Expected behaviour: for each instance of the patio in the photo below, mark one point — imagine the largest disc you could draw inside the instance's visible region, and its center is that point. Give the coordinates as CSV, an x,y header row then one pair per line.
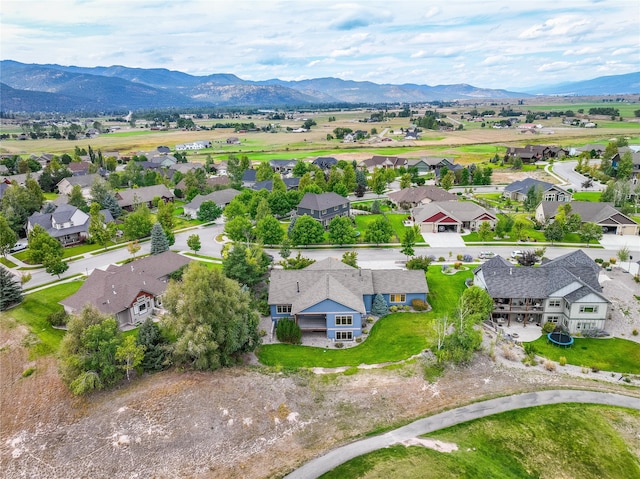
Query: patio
x,y
521,333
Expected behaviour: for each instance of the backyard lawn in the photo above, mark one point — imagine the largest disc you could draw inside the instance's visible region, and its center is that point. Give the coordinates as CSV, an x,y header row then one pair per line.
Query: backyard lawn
x,y
614,354
363,221
395,337
35,309
587,196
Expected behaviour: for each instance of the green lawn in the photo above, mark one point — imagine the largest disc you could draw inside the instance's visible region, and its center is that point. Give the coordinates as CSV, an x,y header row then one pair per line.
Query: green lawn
x,y
363,221
616,354
68,252
8,263
33,313
564,440
587,196
393,338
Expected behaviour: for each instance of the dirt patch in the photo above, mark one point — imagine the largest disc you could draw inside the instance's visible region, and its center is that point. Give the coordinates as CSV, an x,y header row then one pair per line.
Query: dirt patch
x,y
250,422
434,444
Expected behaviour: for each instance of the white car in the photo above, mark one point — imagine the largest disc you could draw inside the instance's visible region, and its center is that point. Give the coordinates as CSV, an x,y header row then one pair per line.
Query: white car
x,y
486,255
19,246
516,254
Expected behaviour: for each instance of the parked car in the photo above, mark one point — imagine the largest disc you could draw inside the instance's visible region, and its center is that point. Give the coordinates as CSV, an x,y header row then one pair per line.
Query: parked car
x,y
486,255
516,254
19,246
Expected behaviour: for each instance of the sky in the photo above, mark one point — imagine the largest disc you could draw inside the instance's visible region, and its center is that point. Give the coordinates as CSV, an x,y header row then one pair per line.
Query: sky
x,y
510,44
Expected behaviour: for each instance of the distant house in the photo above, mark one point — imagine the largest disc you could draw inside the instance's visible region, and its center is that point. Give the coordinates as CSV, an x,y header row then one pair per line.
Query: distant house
x,y
219,168
330,296
517,191
602,214
65,186
130,198
437,163
564,291
79,168
67,224
196,145
595,149
324,206
635,158
163,150
325,162
284,167
289,183
378,161
451,216
420,195
249,178
130,293
222,198
233,140
419,164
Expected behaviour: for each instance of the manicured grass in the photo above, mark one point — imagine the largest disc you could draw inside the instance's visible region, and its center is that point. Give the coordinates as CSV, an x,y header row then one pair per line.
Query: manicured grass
x,y
7,263
587,196
565,440
616,354
363,221
33,313
395,337
67,252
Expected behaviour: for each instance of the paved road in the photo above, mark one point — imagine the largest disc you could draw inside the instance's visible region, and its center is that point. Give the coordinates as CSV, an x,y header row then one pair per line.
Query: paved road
x,y
565,169
334,458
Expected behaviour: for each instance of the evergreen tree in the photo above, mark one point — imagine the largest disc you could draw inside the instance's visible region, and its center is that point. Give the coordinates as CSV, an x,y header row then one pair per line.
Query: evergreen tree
x,y
10,289
285,247
379,307
159,242
155,355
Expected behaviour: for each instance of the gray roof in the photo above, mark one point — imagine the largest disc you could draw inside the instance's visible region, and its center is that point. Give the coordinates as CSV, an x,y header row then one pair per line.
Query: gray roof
x,y
334,280
460,210
62,214
114,290
289,183
420,193
220,197
144,194
590,212
83,180
504,280
322,201
523,186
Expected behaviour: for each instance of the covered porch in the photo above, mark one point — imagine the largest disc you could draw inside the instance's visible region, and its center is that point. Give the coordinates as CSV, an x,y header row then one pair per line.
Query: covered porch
x,y
508,311
311,322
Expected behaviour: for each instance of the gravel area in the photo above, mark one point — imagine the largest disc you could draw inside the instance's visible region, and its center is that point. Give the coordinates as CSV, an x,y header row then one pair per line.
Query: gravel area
x,y
620,287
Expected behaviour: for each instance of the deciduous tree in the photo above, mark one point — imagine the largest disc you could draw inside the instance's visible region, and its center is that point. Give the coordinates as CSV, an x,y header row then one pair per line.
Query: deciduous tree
x,y
268,230
380,231
306,231
130,355
341,231
193,242
8,237
209,211
211,318
590,232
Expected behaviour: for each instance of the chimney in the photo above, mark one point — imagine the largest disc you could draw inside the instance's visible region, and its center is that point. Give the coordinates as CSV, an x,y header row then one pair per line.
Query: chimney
x,y
298,286
510,271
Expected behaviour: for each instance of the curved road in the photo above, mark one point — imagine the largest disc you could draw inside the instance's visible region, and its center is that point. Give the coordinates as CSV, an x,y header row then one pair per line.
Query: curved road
x,y
334,458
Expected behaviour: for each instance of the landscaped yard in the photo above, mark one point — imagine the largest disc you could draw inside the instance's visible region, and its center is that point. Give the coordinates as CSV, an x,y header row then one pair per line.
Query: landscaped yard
x,y
615,354
363,221
33,313
587,196
585,441
395,337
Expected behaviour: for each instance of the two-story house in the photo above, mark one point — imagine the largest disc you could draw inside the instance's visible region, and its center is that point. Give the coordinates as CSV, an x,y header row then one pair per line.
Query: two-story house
x,y
330,296
67,224
324,206
517,191
564,291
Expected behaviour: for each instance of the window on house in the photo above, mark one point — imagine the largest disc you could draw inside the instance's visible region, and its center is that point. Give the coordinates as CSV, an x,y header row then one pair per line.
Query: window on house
x,y
336,208
324,212
588,309
283,308
344,335
344,320
553,319
554,303
397,298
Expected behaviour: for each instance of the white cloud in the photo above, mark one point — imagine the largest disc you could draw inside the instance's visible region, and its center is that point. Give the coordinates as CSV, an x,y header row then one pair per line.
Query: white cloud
x,y
581,51
565,25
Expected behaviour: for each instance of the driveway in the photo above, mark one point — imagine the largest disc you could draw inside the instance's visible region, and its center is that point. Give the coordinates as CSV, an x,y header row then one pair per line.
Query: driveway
x,y
565,170
443,240
616,242
334,458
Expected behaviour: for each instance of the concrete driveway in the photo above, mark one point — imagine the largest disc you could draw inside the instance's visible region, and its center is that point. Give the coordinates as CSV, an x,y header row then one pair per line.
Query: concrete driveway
x,y
443,240
616,242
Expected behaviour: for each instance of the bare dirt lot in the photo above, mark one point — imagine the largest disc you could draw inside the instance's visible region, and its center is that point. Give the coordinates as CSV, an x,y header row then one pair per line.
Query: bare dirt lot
x,y
248,422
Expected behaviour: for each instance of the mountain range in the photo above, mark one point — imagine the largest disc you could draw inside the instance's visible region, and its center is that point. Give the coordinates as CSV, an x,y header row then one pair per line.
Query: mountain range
x,y
57,88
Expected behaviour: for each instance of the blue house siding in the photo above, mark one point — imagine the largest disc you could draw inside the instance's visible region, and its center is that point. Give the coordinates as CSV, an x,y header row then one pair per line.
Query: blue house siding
x,y
408,298
326,306
275,315
332,309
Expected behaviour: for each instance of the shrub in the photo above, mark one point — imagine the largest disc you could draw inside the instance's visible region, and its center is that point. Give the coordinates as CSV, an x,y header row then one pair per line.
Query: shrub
x,y
406,307
612,260
28,372
508,353
441,258
359,339
393,309
605,264
339,344
457,265
595,369
529,349
419,262
635,331
58,318
467,258
459,256
262,333
287,331
419,305
636,278
598,260
562,361
549,365
548,327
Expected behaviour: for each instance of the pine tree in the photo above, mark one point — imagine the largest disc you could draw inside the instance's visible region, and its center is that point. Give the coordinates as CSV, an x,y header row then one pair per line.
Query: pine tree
x,y
10,289
379,307
155,355
159,242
